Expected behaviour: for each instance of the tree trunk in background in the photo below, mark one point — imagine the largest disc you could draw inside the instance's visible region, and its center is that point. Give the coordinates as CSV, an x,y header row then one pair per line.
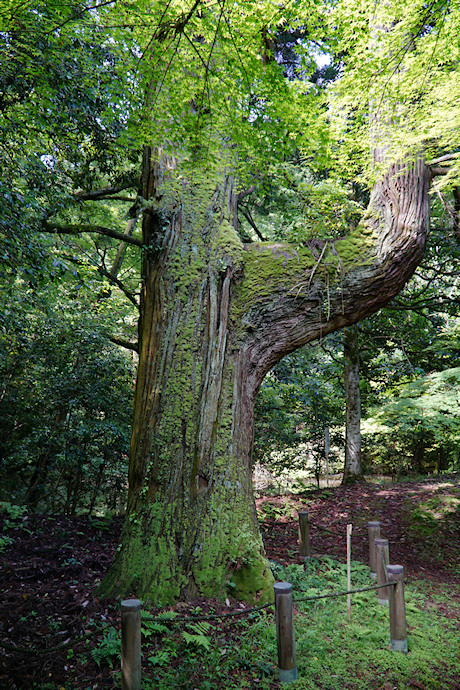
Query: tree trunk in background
x,y
216,315
352,468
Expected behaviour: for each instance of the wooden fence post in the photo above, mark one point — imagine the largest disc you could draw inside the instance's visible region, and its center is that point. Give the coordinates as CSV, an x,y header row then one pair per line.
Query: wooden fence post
x,y
398,634
287,667
382,559
373,529
131,644
304,536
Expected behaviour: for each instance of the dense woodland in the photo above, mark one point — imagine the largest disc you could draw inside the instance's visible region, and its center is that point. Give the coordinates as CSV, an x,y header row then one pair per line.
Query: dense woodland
x,y
237,224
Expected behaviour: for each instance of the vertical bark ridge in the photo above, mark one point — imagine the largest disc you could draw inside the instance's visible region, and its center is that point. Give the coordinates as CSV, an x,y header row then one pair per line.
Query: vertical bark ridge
x,y
215,370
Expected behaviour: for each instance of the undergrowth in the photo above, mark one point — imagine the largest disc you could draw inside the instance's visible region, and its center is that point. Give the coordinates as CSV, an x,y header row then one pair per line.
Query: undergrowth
x,y
333,652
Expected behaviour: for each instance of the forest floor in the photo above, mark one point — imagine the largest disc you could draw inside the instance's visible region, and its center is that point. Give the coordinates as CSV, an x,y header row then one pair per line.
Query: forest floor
x,y
55,633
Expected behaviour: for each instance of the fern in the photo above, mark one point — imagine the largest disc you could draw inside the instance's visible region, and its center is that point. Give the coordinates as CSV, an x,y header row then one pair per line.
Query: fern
x,y
108,648
198,635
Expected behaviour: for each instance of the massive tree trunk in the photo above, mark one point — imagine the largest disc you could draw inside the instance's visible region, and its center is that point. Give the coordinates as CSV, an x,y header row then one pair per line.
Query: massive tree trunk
x,y
352,467
216,316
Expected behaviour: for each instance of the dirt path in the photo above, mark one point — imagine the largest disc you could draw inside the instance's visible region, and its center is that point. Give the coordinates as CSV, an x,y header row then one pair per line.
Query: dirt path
x,y
420,520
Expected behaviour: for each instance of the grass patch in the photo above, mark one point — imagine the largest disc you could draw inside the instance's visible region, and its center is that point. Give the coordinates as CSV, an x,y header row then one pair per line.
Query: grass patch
x,y
332,652
430,514
433,508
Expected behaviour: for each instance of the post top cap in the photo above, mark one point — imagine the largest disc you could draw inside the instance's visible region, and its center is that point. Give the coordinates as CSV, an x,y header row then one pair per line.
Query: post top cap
x,y
303,512
373,523
380,540
131,605
395,569
283,587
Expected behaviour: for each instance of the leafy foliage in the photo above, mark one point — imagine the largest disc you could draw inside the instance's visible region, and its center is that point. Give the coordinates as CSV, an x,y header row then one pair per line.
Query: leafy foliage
x,y
408,69
65,407
58,124
419,425
14,513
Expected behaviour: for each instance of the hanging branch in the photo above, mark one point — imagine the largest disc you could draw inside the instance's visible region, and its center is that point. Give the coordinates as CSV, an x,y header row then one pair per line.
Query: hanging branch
x,y
247,214
106,274
115,281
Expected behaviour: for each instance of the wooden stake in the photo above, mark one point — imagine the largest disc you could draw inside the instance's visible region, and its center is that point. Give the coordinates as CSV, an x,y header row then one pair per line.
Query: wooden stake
x,y
398,634
349,530
287,667
304,536
131,644
382,559
373,529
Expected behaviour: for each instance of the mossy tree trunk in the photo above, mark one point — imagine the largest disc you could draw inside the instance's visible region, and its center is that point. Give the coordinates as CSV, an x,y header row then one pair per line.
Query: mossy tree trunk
x,y
216,316
352,470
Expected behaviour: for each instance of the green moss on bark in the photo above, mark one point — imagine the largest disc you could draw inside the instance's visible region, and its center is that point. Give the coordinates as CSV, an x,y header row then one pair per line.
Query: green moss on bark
x,y
192,527
226,548
357,248
253,582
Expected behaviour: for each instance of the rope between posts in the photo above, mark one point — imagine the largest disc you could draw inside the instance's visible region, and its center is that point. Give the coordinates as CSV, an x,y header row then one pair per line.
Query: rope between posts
x,y
337,534
325,529
216,616
349,591
255,609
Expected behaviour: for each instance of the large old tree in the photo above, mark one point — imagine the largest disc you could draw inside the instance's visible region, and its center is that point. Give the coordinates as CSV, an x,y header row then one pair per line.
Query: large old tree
x,y
232,90
217,313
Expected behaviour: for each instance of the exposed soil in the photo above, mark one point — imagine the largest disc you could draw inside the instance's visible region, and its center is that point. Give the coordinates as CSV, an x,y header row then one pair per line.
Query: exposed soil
x,y
50,618
433,555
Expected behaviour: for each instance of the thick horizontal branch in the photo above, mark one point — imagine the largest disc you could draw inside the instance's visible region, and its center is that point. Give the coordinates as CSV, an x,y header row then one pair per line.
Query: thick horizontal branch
x,y
288,297
103,192
436,171
128,345
55,228
443,159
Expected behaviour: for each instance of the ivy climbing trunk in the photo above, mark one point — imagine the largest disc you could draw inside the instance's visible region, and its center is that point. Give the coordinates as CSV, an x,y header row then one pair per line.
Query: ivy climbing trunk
x,y
352,468
216,316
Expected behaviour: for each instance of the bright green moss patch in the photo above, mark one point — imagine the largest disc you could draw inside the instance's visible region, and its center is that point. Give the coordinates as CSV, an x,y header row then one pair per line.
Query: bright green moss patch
x,y
270,269
357,248
167,550
333,653
254,582
227,248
